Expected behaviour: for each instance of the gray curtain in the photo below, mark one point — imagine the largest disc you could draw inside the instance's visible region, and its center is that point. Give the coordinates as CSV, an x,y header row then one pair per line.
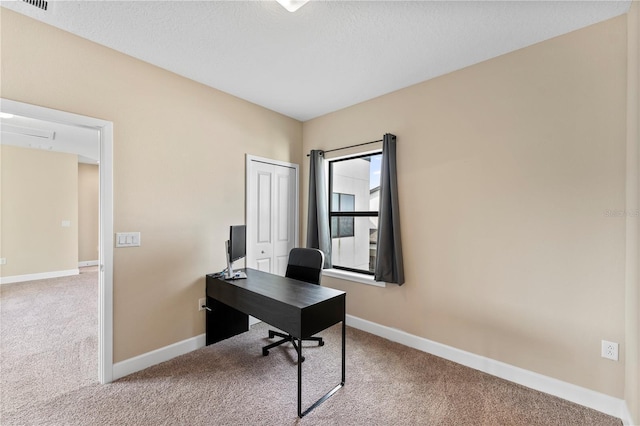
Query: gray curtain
x,y
318,234
389,265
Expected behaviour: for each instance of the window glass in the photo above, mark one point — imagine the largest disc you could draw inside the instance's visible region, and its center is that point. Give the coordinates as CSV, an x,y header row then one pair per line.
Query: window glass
x,y
357,252
354,187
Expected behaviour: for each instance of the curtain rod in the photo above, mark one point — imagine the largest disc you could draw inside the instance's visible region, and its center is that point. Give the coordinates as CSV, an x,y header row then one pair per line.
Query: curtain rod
x,y
351,146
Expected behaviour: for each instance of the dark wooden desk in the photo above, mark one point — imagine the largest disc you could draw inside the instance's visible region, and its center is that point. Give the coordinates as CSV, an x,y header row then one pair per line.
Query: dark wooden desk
x,y
298,308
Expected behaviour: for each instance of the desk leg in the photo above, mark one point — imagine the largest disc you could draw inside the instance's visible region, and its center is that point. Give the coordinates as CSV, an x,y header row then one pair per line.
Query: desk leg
x,y
300,378
343,351
332,391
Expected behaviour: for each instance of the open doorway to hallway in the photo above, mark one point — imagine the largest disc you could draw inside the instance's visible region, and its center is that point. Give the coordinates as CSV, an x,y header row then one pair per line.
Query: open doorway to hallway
x,y
50,255
73,299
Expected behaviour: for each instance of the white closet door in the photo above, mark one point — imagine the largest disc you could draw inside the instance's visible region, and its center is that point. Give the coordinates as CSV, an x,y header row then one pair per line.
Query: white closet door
x,y
271,214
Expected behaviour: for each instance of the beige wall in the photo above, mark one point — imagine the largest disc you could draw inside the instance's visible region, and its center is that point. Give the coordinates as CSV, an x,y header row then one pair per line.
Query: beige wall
x,y
179,154
632,295
88,212
506,171
39,192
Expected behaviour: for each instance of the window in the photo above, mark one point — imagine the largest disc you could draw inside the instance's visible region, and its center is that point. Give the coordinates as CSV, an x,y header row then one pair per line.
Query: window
x,y
354,185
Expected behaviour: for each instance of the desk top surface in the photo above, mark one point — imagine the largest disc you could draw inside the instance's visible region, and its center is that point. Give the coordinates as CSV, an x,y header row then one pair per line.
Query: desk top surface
x,y
283,289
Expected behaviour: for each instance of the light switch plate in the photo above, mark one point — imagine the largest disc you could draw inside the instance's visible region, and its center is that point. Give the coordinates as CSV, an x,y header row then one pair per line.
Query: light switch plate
x,y
128,239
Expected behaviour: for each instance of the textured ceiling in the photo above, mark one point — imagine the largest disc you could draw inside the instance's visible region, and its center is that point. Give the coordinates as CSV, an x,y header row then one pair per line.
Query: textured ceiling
x,y
326,56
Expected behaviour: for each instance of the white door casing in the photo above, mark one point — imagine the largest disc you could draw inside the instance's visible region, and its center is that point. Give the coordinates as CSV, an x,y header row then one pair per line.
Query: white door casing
x,y
272,213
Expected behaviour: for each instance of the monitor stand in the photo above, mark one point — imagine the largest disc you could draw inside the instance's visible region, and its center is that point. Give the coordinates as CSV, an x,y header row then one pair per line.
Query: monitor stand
x,y
230,274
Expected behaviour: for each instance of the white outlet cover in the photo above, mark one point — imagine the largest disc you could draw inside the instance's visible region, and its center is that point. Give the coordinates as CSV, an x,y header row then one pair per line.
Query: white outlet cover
x,y
609,350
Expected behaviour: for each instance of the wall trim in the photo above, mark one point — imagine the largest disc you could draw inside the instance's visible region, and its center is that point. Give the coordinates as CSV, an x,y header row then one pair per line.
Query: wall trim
x,y
140,362
598,401
88,263
627,419
149,359
352,276
38,276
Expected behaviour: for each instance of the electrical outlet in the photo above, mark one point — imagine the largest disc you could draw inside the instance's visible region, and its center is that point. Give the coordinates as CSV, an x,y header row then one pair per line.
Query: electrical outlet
x,y
609,350
201,302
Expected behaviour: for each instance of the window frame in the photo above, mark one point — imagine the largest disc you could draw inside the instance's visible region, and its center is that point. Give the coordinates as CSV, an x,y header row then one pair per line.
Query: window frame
x,y
353,214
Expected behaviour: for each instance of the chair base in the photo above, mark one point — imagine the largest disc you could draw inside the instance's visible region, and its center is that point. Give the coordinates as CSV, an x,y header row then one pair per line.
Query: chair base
x,y
288,338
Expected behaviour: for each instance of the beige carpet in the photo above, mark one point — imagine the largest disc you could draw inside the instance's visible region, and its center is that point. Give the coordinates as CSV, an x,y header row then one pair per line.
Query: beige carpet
x,y
230,383
48,339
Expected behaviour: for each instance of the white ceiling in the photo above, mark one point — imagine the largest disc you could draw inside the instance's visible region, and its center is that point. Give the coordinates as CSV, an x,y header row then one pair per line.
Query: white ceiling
x,y
326,56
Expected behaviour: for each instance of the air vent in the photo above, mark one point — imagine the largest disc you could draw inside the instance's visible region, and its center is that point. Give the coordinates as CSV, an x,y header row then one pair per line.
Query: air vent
x,y
27,131
40,4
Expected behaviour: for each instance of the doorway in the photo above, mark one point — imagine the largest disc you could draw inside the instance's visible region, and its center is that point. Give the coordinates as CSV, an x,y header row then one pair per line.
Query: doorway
x,y
104,132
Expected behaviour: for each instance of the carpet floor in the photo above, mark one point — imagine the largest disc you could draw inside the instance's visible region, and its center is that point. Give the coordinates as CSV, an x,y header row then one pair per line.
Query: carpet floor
x,y
48,372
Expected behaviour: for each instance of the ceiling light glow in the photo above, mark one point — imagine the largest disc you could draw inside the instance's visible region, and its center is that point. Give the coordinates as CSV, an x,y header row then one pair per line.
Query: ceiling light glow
x,y
292,5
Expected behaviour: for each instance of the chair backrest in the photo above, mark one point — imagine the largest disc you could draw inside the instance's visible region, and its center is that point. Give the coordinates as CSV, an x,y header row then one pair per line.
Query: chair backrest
x,y
305,264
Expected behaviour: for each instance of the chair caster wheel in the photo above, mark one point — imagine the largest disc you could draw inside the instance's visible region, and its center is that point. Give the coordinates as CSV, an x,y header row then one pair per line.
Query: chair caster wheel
x,y
302,359
321,343
271,334
265,353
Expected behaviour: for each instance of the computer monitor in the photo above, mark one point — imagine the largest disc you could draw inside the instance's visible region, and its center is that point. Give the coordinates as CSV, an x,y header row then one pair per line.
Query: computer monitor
x,y
236,249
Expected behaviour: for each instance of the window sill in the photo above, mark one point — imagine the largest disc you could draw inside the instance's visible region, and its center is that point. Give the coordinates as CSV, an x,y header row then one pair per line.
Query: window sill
x,y
352,276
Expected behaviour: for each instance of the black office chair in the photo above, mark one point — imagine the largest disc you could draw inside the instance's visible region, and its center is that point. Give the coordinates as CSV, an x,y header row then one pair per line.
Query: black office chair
x,y
305,264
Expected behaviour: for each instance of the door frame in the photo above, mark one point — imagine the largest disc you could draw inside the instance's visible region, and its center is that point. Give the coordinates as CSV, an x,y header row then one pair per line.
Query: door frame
x,y
248,183
105,274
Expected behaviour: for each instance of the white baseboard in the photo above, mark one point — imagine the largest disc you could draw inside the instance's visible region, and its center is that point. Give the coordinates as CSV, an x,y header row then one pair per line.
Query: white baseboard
x,y
87,263
140,362
598,401
627,419
39,276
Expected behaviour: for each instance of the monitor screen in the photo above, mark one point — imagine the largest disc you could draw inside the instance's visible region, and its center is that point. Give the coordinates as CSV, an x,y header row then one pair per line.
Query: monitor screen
x,y
237,242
